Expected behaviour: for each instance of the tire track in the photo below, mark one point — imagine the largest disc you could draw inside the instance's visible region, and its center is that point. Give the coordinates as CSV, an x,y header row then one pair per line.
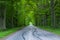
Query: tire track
x,y
23,35
35,35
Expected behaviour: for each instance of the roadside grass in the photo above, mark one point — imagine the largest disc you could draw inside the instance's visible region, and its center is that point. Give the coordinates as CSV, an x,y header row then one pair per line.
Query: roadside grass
x,y
8,32
52,30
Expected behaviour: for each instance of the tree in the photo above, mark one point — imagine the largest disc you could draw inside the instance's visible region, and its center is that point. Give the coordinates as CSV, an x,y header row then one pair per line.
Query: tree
x,y
53,18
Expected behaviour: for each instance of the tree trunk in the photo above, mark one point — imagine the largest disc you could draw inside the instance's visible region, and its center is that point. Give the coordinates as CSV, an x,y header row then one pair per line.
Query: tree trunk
x,y
52,13
4,20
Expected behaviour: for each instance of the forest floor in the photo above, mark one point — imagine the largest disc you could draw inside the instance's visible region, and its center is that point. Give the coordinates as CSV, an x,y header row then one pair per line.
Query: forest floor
x,y
33,33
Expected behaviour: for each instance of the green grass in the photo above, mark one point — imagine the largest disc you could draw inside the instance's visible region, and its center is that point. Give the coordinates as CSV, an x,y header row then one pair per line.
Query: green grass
x,y
55,31
8,32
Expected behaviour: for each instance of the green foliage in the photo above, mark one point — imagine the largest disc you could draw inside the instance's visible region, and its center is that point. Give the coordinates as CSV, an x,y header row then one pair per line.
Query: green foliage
x,y
21,12
8,32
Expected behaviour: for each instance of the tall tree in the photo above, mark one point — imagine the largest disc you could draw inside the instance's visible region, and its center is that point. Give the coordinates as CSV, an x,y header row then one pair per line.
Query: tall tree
x,y
53,24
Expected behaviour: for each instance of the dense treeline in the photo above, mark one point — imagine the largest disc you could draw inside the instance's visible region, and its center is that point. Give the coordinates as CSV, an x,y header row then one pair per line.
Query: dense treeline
x,y
49,14
16,13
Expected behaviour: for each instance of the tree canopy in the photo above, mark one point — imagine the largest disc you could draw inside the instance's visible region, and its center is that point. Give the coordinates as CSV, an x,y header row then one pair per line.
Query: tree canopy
x,y
39,12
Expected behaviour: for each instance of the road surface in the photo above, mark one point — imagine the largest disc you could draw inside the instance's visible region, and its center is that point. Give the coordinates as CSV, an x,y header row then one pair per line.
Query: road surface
x,y
33,33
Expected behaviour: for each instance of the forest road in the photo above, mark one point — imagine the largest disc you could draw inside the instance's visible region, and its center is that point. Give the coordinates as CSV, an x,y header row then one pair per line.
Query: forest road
x,y
33,33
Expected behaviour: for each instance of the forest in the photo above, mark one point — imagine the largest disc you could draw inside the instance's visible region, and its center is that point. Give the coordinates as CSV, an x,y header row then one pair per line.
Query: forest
x,y
18,13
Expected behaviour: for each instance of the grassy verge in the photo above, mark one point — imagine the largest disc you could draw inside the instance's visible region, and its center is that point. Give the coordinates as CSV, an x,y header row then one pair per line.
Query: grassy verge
x,y
8,32
55,31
